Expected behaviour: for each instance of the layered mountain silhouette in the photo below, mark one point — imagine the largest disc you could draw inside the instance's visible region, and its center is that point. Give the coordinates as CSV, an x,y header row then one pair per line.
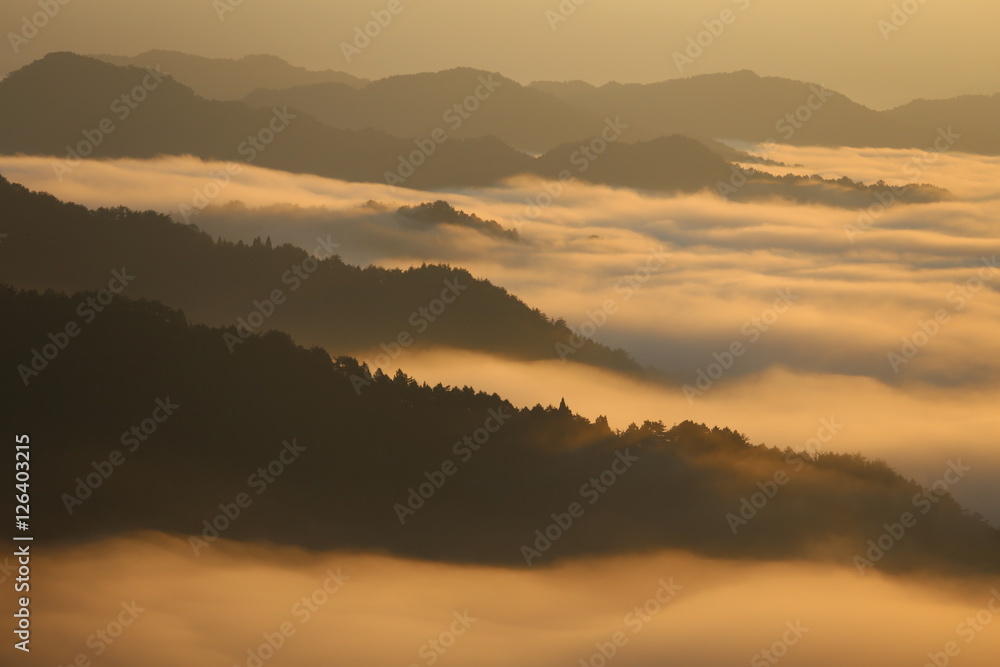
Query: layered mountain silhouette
x,y
232,79
973,118
541,116
743,105
277,442
545,114
73,107
49,105
344,308
464,102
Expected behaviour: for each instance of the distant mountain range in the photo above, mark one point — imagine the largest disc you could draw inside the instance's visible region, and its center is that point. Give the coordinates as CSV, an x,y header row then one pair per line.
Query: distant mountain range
x,y
542,115
228,80
54,102
742,105
465,102
69,106
975,117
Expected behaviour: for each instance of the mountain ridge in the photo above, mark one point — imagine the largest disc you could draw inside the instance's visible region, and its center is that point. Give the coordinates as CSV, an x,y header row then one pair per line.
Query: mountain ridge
x,y
229,79
61,246
72,107
514,499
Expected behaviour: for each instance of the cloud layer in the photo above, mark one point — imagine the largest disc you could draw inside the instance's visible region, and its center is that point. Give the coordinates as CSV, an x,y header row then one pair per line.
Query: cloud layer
x,y
221,607
884,322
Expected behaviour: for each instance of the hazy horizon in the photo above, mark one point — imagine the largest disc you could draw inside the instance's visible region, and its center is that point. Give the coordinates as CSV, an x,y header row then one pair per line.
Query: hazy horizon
x,y
934,53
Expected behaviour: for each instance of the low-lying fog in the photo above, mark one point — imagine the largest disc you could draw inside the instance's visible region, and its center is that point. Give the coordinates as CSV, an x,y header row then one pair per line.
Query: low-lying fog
x,y
883,319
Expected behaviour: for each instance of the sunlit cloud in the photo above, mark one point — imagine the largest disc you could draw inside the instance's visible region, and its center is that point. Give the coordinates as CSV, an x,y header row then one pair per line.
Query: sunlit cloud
x,y
862,337
232,604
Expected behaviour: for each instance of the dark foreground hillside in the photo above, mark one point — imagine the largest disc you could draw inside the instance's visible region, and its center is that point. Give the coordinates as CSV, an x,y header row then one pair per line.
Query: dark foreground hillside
x,y
139,420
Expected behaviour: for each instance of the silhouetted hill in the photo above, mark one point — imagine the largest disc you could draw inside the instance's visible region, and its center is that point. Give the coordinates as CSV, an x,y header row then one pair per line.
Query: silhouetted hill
x,y
463,102
742,105
442,213
690,166
54,245
232,79
571,91
686,163
323,466
974,117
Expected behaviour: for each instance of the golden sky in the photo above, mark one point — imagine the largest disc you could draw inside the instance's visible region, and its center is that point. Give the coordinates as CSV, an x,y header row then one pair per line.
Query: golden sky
x,y
941,49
